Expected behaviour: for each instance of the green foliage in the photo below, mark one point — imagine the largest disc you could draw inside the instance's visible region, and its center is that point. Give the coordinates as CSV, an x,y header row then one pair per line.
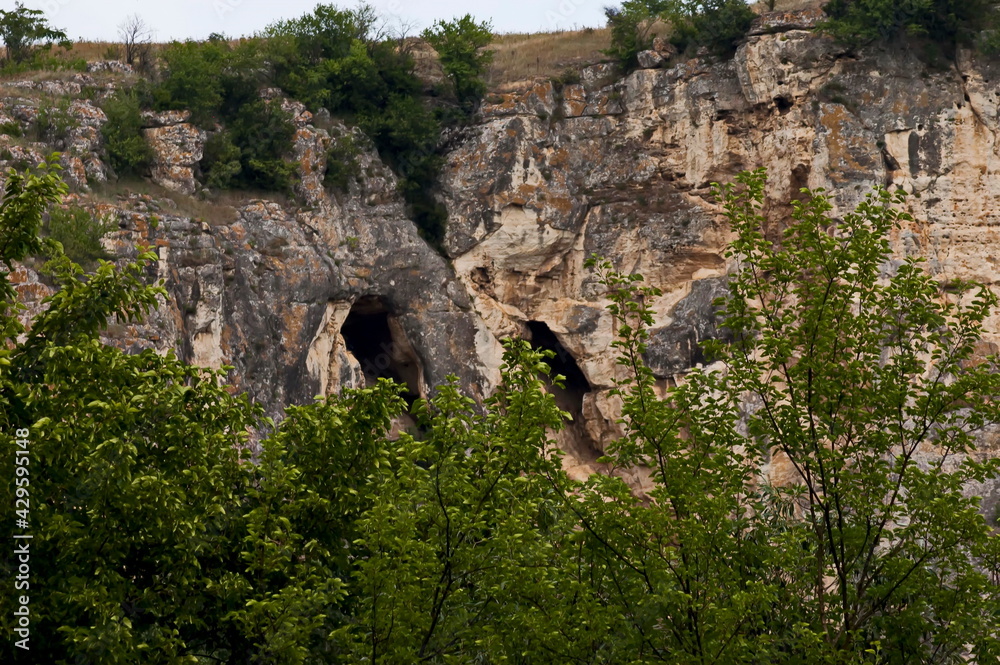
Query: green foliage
x,y
54,121
630,29
21,29
342,162
460,44
193,80
264,133
221,161
330,58
947,22
851,378
717,25
338,60
79,233
128,152
868,389
11,128
154,537
221,84
459,515
26,197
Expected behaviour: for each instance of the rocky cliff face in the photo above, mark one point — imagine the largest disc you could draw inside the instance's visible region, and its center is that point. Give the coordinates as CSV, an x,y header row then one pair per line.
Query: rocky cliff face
x,y
622,167
306,300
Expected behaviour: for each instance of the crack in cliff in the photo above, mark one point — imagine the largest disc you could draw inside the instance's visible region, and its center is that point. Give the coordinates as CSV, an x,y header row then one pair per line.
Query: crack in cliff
x,y
976,112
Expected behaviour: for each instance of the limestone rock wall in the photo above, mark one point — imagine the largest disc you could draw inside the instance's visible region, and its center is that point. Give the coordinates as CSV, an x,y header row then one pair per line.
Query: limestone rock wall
x,y
619,166
622,167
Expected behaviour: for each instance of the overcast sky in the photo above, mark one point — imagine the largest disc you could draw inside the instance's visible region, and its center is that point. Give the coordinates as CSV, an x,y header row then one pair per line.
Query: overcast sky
x,y
182,19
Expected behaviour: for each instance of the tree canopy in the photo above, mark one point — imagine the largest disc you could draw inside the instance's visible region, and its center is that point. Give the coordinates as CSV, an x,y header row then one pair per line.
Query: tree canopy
x,y
809,498
950,22
22,28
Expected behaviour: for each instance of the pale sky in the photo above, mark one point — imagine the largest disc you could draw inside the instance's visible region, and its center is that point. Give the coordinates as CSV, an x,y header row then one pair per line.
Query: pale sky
x,y
196,19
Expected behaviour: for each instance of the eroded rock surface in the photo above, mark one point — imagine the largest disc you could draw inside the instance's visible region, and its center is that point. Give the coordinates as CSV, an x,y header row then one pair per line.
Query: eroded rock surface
x,y
542,185
616,166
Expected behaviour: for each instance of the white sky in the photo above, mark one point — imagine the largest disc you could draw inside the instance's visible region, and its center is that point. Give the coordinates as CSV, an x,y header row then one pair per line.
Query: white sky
x,y
196,19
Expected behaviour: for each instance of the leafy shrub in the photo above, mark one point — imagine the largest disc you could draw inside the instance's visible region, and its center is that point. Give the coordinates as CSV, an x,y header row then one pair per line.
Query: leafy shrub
x,y
193,80
337,59
569,76
718,25
54,121
128,152
221,84
11,128
22,29
221,162
341,163
263,132
630,30
79,232
460,44
948,22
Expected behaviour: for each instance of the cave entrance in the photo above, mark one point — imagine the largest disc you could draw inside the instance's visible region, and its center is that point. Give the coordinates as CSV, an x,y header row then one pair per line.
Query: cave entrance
x,y
575,439
377,341
570,397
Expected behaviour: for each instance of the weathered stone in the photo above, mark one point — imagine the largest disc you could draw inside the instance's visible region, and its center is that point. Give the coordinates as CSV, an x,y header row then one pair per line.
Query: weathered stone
x,y
664,48
774,22
620,166
164,118
649,59
177,149
115,66
675,348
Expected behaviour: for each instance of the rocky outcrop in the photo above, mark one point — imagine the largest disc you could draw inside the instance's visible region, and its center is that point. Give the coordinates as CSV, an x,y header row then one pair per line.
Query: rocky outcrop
x,y
177,148
536,191
308,300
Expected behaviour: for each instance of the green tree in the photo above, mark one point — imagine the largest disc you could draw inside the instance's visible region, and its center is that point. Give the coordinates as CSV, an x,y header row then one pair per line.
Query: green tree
x,y
128,151
155,539
865,388
631,26
948,22
460,514
461,45
264,134
342,60
717,25
22,29
193,79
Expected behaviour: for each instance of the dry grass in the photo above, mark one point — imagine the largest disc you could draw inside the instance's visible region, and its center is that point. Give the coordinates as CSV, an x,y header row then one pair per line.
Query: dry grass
x,y
521,57
213,212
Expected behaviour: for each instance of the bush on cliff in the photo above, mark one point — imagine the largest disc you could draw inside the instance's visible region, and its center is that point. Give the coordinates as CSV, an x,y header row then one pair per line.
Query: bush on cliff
x,y
944,22
156,539
128,152
717,25
338,59
461,45
343,60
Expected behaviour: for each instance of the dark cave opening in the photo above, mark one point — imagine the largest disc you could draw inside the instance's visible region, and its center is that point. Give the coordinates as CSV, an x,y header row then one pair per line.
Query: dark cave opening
x,y
575,439
378,343
576,384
